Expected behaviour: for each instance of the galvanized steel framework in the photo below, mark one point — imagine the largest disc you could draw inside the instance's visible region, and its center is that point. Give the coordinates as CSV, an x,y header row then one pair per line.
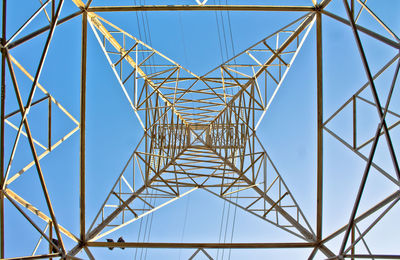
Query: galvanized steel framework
x,y
199,131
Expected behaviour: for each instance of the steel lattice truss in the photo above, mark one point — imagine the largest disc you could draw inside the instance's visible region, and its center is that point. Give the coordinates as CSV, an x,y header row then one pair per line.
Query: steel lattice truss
x,y
199,132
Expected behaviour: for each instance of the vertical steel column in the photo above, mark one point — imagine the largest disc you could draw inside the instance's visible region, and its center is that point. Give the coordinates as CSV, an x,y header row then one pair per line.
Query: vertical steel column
x,y
83,128
319,127
3,99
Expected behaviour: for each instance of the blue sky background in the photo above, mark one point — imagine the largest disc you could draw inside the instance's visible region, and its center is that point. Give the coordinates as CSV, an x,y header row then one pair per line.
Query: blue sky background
x,y
288,131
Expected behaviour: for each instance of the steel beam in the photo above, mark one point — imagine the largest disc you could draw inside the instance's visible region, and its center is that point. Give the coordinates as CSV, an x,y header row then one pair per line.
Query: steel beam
x,y
3,107
319,127
37,212
373,256
263,8
364,30
31,221
199,245
83,129
41,30
367,213
35,257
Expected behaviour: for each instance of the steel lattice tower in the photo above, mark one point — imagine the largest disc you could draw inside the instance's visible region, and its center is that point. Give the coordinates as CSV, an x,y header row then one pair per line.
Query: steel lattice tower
x,y
199,132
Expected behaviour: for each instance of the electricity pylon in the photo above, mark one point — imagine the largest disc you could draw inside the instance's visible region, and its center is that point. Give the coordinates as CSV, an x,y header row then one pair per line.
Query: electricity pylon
x,y
199,132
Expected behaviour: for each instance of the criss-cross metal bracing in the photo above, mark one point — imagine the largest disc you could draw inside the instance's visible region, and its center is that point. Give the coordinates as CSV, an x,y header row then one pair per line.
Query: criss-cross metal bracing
x,y
199,132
